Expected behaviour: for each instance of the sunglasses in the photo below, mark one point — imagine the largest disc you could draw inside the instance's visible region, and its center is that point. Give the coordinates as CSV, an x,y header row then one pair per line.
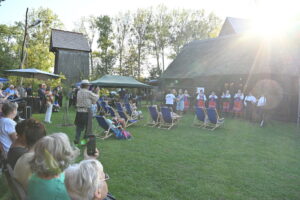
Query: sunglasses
x,y
105,178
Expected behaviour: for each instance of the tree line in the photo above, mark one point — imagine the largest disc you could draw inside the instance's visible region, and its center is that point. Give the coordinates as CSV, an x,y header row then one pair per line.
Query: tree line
x,y
132,43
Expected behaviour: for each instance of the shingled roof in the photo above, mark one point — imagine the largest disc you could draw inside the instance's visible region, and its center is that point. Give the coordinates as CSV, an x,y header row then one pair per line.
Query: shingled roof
x,y
235,26
235,55
68,40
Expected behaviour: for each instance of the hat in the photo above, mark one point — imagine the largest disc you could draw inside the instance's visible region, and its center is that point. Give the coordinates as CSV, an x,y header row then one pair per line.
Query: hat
x,y
85,82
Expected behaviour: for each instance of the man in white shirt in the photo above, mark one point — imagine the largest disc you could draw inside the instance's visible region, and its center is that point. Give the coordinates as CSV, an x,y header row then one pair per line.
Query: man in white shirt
x,y
170,100
262,102
7,126
249,103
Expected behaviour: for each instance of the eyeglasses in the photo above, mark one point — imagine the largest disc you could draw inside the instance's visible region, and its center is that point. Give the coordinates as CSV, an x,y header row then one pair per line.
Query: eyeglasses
x,y
105,178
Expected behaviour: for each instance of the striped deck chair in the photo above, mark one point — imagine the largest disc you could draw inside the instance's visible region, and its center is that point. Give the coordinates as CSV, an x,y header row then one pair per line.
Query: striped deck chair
x,y
200,117
167,120
154,116
119,106
214,121
103,124
128,109
128,121
111,111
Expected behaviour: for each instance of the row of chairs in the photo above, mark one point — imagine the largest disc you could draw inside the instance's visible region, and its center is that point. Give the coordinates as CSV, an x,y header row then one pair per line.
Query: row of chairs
x,y
204,118
163,119
111,112
126,115
207,118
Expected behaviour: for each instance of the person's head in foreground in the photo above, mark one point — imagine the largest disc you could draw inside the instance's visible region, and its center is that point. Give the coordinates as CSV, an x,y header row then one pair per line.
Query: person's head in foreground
x,y
213,93
52,155
9,109
29,131
86,181
186,92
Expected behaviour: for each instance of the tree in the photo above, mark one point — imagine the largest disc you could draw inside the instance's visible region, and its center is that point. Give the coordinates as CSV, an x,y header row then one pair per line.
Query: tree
x,y
38,55
9,37
122,28
161,33
141,33
188,25
105,43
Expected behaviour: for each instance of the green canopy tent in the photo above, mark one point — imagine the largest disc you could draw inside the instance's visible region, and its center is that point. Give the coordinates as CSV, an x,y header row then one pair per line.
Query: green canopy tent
x,y
113,81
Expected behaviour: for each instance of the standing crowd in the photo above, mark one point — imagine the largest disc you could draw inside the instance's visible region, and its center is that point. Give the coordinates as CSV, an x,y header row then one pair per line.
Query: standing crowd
x,y
236,104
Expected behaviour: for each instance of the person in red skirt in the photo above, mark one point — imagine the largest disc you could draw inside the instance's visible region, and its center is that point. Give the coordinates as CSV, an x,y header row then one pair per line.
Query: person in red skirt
x,y
238,103
201,99
186,100
226,102
212,100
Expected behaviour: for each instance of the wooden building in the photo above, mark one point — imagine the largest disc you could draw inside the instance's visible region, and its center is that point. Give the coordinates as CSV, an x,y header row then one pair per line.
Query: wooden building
x,y
72,53
248,61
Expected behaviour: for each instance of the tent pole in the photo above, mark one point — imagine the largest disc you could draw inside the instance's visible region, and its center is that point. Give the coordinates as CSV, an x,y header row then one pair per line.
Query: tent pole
x,y
298,117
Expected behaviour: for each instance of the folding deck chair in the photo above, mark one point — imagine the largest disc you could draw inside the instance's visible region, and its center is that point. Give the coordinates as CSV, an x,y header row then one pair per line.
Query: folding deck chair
x,y
128,109
111,111
154,116
128,121
103,124
119,106
104,105
200,117
167,121
214,121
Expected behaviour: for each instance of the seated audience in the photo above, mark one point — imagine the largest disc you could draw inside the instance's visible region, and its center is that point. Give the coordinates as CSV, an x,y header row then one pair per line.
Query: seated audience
x,y
29,131
86,181
41,169
135,112
11,92
115,122
7,125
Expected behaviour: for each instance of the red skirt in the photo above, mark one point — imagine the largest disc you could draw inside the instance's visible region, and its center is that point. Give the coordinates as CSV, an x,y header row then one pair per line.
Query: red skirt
x,y
186,104
226,106
201,104
212,104
237,106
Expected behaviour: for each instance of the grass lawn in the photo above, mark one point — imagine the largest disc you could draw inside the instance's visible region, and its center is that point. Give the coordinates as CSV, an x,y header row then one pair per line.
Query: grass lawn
x,y
238,161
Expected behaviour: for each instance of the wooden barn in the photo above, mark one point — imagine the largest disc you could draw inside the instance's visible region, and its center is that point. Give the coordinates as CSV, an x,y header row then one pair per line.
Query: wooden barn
x,y
72,53
248,62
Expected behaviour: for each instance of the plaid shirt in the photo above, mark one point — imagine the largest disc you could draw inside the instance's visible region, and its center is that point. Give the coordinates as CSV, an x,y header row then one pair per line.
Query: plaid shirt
x,y
85,99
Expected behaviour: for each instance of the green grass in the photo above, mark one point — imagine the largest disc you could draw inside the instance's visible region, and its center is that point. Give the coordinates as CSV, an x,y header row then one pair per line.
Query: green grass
x,y
238,161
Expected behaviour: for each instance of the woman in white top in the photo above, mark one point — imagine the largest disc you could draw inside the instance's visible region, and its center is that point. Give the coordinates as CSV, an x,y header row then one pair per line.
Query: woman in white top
x,y
201,98
262,102
226,101
249,103
212,100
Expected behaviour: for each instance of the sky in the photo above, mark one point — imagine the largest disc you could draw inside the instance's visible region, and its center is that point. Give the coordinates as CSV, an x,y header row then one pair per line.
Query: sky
x,y
69,11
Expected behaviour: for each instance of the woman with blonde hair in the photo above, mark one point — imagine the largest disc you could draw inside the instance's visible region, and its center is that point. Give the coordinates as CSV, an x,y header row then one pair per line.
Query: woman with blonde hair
x,y
52,155
86,181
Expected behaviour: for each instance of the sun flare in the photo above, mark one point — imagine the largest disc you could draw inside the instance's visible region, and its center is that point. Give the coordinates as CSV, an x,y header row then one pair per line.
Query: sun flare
x,y
275,18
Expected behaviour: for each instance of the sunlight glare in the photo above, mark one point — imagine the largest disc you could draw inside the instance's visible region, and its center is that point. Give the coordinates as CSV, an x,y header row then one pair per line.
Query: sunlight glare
x,y
274,18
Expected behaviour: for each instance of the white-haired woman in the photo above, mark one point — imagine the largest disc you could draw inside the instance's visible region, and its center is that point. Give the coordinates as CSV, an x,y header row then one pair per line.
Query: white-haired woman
x,y
86,181
52,155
